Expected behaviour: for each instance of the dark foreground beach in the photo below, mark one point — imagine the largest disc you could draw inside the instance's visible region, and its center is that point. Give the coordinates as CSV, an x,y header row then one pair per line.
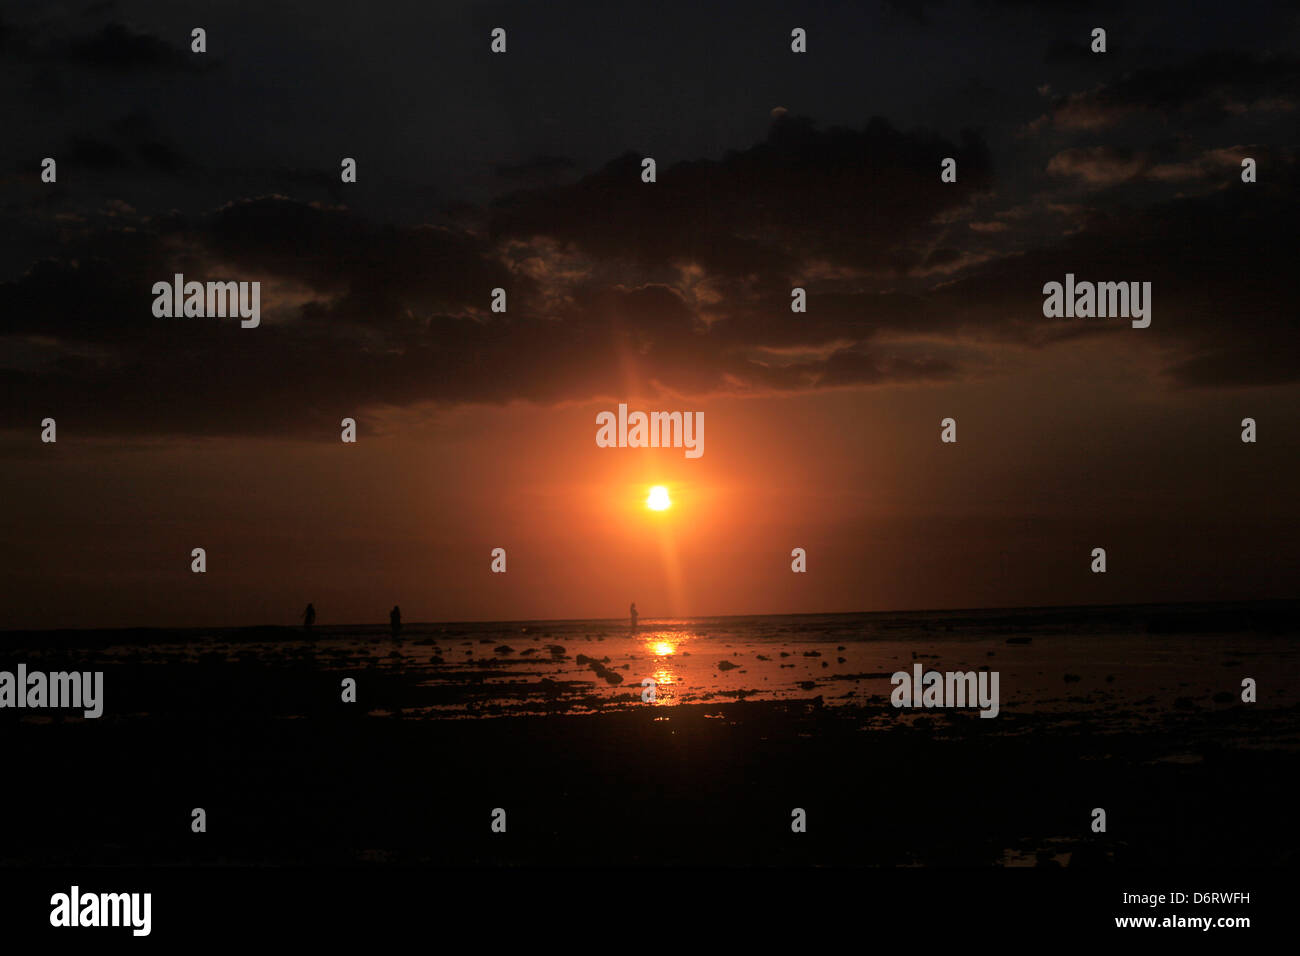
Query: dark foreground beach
x,y
1134,710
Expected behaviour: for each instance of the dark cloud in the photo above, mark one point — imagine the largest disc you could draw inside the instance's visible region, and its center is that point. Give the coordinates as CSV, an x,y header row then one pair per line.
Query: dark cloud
x,y
915,10
113,48
1179,163
859,196
129,144
1073,49
680,286
538,171
357,313
1208,88
94,154
162,157
1222,304
116,48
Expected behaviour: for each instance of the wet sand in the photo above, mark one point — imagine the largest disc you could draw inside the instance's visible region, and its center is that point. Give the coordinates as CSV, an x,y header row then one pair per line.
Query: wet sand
x,y
448,726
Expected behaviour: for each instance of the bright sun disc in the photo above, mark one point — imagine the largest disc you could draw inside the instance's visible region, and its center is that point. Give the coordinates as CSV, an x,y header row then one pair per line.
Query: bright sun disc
x,y
658,499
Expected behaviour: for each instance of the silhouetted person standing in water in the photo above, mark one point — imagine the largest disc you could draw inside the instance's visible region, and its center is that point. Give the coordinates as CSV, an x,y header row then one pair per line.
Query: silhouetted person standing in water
x,y
308,618
632,614
395,619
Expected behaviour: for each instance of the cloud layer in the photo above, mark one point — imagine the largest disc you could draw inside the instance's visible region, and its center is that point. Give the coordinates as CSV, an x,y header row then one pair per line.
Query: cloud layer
x,y
619,288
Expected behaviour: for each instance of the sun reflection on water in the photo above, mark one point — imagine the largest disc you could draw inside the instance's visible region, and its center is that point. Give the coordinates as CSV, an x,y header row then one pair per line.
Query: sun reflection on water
x,y
662,646
662,643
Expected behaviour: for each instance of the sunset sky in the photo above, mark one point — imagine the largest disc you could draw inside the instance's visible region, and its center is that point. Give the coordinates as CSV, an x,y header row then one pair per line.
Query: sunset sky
x,y
522,171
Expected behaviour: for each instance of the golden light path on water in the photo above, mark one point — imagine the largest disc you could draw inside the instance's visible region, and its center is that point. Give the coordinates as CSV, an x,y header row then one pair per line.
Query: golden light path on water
x,y
662,645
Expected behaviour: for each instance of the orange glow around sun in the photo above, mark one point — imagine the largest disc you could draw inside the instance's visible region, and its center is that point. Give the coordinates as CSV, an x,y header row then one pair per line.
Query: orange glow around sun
x,y
658,499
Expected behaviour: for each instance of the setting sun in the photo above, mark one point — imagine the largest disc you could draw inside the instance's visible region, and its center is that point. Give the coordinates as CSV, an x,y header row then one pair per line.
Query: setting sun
x,y
658,500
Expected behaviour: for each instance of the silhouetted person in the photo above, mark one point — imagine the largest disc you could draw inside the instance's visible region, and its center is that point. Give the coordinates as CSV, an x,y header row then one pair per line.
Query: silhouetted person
x,y
308,618
395,619
632,614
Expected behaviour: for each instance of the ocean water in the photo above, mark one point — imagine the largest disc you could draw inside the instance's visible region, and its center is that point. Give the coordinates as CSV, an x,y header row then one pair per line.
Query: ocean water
x,y
1134,709
1088,663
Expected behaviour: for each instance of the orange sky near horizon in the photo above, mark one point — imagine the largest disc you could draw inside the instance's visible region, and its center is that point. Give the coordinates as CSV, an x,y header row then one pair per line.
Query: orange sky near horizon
x,y
890,517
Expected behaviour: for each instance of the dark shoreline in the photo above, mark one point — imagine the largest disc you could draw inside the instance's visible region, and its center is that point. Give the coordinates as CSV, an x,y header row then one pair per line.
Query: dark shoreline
x,y
712,784
1268,615
1139,715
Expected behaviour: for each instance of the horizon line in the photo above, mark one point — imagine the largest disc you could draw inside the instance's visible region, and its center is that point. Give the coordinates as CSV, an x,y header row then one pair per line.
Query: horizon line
x,y
644,620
